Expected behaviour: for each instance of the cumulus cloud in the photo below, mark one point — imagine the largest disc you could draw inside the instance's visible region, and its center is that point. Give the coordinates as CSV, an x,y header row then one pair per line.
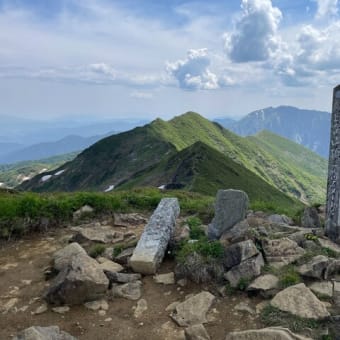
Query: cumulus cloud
x,y
326,8
255,35
192,73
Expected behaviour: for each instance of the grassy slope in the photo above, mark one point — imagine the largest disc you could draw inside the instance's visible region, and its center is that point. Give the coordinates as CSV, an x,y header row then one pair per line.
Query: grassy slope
x,y
115,159
13,174
287,175
203,169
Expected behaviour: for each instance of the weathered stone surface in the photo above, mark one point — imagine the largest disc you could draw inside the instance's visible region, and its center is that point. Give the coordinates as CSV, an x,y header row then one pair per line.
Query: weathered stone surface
x,y
271,333
166,279
85,210
124,257
169,331
193,310
279,219
247,269
110,266
129,220
116,277
236,234
43,333
299,300
196,332
142,306
236,253
310,218
324,288
99,234
154,241
61,310
265,284
332,269
63,257
81,281
130,290
244,307
230,208
329,244
315,267
280,252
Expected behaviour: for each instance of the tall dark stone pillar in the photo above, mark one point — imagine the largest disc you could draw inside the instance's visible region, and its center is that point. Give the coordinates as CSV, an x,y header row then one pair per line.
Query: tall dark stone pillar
x,y
333,185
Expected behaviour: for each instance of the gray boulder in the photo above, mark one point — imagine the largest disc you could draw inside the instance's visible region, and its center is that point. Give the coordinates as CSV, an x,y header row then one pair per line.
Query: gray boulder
x,y
122,277
279,252
193,310
310,218
280,219
196,332
43,333
154,241
230,208
266,285
81,281
62,258
271,333
83,211
315,268
236,253
98,234
237,233
124,257
299,300
248,270
130,290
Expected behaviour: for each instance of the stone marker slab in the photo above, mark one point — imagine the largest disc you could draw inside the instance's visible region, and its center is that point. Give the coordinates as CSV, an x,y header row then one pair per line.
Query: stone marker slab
x,y
230,208
153,243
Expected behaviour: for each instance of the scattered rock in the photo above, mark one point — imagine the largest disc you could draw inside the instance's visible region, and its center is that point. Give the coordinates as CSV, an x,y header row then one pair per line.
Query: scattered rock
x,y
236,234
100,234
325,243
244,307
85,210
230,208
110,266
9,305
41,309
63,257
193,310
124,256
280,219
172,306
130,291
61,310
247,270
122,277
169,331
239,252
266,285
182,282
324,288
97,305
129,220
299,300
310,218
142,306
82,281
315,267
280,252
154,241
332,269
196,332
43,333
271,333
166,279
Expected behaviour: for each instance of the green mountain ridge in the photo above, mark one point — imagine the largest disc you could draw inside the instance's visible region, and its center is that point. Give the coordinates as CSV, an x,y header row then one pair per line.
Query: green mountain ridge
x,y
115,160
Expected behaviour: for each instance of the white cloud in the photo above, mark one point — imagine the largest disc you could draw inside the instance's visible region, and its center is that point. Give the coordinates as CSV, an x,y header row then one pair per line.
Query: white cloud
x,y
326,8
255,35
192,73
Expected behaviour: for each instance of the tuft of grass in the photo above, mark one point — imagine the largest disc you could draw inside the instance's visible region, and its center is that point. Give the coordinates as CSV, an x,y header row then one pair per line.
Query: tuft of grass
x,y
196,230
243,284
288,276
96,250
272,316
117,250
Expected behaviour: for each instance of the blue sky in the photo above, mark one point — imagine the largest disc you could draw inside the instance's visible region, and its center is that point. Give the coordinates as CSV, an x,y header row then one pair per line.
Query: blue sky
x,y
144,58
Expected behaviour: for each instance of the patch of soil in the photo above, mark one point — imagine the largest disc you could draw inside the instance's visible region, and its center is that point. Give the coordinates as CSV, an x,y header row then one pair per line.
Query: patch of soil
x,y
21,275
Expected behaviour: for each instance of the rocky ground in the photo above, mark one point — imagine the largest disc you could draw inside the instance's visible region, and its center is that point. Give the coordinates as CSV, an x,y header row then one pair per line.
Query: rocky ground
x,y
282,268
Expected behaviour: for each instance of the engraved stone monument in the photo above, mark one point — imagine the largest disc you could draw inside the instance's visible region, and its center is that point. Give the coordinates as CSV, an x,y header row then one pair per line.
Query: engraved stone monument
x,y
333,185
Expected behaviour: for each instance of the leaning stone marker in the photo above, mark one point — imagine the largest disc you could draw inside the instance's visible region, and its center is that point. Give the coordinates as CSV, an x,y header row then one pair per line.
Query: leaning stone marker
x,y
230,208
333,186
152,245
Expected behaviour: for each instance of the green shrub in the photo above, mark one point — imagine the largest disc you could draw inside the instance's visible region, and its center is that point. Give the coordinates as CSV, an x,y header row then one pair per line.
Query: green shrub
x,y
117,250
196,230
96,250
289,277
243,284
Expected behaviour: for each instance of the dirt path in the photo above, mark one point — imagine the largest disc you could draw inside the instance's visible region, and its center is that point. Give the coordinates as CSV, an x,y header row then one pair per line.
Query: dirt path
x,y
22,283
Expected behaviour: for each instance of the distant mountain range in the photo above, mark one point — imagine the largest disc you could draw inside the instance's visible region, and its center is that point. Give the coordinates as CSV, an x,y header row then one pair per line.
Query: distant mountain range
x,y
193,153
309,128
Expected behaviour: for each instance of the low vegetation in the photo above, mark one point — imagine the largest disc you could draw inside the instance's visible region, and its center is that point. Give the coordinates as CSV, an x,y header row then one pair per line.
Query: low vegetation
x,y
288,276
96,250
